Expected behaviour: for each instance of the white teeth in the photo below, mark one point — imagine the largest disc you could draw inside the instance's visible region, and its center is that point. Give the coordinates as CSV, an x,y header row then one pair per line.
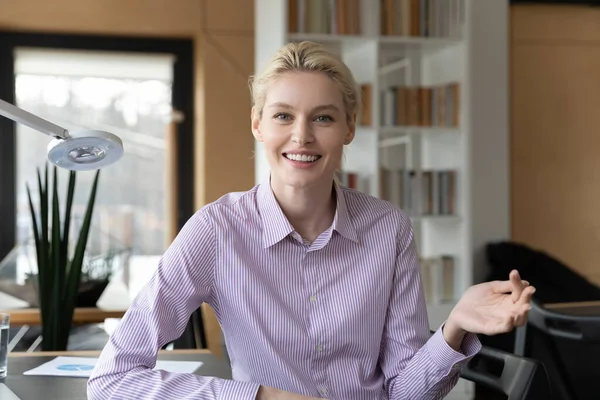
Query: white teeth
x,y
302,157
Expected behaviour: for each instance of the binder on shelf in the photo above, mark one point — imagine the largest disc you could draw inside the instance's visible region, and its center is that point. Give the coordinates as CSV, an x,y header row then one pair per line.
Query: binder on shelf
x,y
420,192
365,117
428,106
329,17
422,18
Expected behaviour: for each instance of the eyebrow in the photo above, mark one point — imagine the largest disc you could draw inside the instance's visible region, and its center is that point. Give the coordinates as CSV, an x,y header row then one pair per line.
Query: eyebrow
x,y
323,107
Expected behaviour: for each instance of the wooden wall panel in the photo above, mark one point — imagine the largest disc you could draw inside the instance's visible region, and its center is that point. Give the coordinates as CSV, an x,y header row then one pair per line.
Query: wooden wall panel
x,y
241,21
228,115
555,133
555,23
120,17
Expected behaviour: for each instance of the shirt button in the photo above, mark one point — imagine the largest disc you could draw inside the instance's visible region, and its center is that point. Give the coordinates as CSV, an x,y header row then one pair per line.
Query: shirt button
x,y
319,347
324,391
313,299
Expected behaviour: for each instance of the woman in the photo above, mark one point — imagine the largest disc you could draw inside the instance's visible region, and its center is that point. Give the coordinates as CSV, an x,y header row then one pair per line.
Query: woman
x,y
316,286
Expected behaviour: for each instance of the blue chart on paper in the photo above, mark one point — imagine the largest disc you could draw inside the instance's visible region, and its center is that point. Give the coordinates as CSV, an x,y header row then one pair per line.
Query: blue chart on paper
x,y
75,367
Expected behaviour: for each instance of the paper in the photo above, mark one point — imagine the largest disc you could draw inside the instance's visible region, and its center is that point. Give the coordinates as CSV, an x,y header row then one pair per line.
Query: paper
x,y
82,367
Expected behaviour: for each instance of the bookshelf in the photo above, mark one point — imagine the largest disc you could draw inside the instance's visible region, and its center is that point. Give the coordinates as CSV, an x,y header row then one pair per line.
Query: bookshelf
x,y
432,136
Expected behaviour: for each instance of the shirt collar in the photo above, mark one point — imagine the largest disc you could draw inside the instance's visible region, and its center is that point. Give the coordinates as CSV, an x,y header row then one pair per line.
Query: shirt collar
x,y
342,222
276,226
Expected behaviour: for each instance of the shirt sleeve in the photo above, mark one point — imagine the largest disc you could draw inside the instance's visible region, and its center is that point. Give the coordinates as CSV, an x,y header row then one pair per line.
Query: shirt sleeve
x,y
157,316
416,365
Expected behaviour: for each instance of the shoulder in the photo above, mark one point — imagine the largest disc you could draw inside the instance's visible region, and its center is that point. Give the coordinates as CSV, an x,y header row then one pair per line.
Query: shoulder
x,y
233,205
370,207
366,210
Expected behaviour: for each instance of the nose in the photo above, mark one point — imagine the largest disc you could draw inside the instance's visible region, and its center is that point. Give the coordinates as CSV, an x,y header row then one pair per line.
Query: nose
x,y
302,132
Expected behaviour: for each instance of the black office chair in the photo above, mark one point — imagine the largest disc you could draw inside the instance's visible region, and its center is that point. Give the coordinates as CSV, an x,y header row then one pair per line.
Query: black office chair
x,y
549,326
515,377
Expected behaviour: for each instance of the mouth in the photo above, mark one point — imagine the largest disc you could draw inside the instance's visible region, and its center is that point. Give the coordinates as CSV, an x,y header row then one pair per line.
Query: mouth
x,y
303,158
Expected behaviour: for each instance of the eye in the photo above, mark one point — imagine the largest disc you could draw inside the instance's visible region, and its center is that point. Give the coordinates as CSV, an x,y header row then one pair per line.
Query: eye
x,y
324,118
282,116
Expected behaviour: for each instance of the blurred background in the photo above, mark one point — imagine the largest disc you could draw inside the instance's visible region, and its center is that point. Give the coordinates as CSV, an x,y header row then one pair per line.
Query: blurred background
x,y
478,120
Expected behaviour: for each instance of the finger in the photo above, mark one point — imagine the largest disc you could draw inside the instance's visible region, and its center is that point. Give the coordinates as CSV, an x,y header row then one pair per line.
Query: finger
x,y
521,317
501,287
517,285
527,295
520,320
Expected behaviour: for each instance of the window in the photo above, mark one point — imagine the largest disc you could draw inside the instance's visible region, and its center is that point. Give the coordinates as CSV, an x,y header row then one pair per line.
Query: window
x,y
126,94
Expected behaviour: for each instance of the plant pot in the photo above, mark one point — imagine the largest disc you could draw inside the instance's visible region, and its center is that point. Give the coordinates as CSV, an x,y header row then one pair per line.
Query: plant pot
x,y
90,292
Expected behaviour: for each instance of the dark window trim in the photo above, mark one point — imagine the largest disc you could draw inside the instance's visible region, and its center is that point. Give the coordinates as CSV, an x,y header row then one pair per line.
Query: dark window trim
x,y
183,100
592,3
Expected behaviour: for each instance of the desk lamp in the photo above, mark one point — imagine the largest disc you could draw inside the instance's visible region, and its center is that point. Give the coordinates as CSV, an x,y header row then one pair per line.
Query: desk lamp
x,y
78,151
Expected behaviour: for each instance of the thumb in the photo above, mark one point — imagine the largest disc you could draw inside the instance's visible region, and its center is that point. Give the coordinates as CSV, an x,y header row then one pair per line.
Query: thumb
x,y
501,286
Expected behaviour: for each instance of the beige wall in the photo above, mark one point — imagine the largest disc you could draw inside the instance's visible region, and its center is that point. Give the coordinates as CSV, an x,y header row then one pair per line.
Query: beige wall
x,y
223,33
555,132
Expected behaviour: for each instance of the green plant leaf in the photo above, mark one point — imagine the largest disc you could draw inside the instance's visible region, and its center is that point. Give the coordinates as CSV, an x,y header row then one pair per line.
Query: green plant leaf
x,y
43,255
67,222
74,275
58,269
34,223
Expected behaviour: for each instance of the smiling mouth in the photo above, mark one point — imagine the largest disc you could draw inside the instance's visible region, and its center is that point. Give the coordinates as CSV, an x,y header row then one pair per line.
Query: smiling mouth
x,y
301,157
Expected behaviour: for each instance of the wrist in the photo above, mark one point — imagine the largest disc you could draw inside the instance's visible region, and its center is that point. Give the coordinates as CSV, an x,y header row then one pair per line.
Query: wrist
x,y
453,333
262,394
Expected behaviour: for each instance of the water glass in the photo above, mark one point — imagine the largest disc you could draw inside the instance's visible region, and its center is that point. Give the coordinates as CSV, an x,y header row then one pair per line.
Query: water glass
x,y
4,325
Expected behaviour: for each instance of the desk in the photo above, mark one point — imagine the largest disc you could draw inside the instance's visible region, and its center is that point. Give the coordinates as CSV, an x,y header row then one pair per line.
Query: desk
x,y
81,316
53,387
576,308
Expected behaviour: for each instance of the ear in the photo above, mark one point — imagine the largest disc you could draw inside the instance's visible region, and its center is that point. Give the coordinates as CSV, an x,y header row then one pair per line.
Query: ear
x,y
255,123
351,130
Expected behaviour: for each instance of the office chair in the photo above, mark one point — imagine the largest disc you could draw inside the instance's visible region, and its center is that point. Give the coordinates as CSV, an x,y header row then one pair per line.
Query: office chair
x,y
516,377
552,324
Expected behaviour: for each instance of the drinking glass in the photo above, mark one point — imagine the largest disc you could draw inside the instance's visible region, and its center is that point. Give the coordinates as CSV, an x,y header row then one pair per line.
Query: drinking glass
x,y
4,325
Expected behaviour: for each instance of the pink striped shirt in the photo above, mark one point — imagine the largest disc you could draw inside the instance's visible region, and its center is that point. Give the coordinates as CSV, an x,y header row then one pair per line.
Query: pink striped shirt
x,y
342,318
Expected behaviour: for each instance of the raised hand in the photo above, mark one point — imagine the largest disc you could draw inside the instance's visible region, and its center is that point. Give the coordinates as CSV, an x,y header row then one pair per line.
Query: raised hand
x,y
492,308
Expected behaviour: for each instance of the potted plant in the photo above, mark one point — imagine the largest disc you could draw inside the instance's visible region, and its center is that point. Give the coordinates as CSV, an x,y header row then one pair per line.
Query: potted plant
x,y
59,273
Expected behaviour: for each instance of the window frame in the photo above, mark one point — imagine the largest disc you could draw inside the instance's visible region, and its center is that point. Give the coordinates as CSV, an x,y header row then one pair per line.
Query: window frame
x,y
182,101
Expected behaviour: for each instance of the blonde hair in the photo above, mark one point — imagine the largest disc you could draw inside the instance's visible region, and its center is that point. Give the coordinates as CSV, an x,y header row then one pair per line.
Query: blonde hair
x,y
306,57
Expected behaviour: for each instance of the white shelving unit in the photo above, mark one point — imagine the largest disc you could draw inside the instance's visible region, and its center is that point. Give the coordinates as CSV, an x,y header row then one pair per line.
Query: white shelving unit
x,y
473,52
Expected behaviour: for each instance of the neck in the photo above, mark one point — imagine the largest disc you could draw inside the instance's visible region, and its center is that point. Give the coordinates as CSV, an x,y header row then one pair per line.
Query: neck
x,y
310,210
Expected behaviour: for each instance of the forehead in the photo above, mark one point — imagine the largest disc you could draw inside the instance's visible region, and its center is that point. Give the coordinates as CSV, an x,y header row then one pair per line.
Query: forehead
x,y
304,89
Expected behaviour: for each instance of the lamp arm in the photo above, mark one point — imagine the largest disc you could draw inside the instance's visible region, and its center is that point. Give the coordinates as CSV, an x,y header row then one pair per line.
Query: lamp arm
x,y
33,121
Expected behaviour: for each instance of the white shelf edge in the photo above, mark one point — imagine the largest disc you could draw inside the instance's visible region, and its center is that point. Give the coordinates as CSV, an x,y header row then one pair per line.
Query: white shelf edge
x,y
450,218
401,130
387,40
437,41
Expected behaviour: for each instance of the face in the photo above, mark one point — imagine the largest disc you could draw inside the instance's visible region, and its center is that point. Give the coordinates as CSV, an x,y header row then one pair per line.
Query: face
x,y
304,128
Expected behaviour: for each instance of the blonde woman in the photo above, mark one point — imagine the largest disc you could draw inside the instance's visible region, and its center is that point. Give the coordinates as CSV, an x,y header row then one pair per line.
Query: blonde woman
x,y
316,286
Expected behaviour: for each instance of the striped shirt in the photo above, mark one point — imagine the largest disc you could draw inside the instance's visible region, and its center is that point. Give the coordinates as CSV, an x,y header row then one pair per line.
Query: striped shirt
x,y
343,317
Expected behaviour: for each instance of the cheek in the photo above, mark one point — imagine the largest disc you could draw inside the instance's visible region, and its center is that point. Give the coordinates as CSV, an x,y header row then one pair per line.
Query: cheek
x,y
274,136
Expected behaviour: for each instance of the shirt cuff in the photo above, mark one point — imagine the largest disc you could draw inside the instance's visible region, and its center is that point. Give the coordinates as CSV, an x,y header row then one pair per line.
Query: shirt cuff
x,y
448,359
236,390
